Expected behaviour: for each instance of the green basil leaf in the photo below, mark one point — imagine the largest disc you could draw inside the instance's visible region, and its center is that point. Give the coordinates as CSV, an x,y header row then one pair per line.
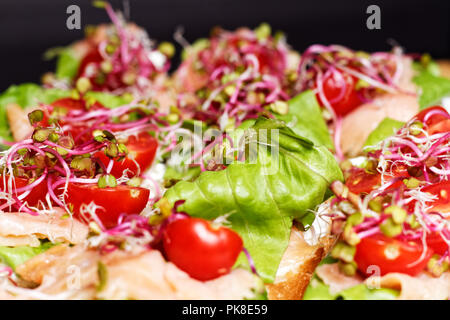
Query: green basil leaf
x,y
305,119
261,202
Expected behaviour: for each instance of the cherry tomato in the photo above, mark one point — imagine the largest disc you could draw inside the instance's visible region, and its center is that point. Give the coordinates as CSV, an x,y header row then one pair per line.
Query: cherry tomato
x,y
141,149
332,89
36,194
442,191
434,118
390,255
361,181
436,243
440,127
114,201
78,130
202,250
92,59
90,68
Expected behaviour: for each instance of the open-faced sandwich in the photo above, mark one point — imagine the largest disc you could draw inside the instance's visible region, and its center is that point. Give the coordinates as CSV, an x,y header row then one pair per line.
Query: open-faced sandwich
x,y
392,217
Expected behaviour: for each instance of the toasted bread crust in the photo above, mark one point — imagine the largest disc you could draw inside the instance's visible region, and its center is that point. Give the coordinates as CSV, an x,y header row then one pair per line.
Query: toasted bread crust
x,y
297,266
444,68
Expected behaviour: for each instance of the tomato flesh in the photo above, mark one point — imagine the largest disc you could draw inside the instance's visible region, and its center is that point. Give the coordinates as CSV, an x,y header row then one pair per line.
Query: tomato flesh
x,y
361,181
434,119
333,84
114,201
203,251
390,255
36,194
442,191
141,149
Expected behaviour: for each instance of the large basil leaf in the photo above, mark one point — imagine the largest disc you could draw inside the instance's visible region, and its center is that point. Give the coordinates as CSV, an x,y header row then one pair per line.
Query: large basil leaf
x,y
261,202
305,119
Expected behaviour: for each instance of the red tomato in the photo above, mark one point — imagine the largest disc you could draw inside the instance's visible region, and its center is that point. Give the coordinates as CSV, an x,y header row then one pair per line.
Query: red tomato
x,y
332,89
36,194
442,126
442,191
93,57
390,255
90,68
78,130
203,251
436,243
114,201
141,148
434,118
362,182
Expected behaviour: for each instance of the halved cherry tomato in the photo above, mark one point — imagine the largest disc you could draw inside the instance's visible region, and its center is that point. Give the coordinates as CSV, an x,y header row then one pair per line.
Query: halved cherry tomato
x,y
36,194
78,130
332,89
390,255
92,58
76,104
90,68
442,191
202,250
434,118
114,201
141,149
361,181
440,127
436,243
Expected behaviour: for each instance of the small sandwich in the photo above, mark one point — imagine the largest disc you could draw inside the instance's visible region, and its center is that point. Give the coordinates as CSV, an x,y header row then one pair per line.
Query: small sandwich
x,y
392,217
118,58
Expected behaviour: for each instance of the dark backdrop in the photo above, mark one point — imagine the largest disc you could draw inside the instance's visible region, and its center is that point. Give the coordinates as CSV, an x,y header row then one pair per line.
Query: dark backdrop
x,y
29,27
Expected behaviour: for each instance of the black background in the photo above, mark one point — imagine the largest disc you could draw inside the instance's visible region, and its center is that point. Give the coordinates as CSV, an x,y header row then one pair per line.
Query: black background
x,y
29,27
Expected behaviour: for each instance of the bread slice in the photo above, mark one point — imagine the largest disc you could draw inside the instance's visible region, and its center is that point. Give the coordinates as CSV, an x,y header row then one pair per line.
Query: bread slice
x,y
444,68
297,266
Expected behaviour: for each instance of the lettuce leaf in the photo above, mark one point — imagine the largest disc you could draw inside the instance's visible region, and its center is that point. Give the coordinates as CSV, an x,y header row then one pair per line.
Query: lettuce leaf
x,y
385,129
318,290
432,89
15,256
109,100
260,202
67,64
25,95
305,119
30,94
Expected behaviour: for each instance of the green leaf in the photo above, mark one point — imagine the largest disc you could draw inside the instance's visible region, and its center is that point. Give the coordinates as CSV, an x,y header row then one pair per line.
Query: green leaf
x,y
262,202
362,292
109,100
385,129
15,256
430,67
175,174
305,119
318,290
432,89
67,65
25,95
